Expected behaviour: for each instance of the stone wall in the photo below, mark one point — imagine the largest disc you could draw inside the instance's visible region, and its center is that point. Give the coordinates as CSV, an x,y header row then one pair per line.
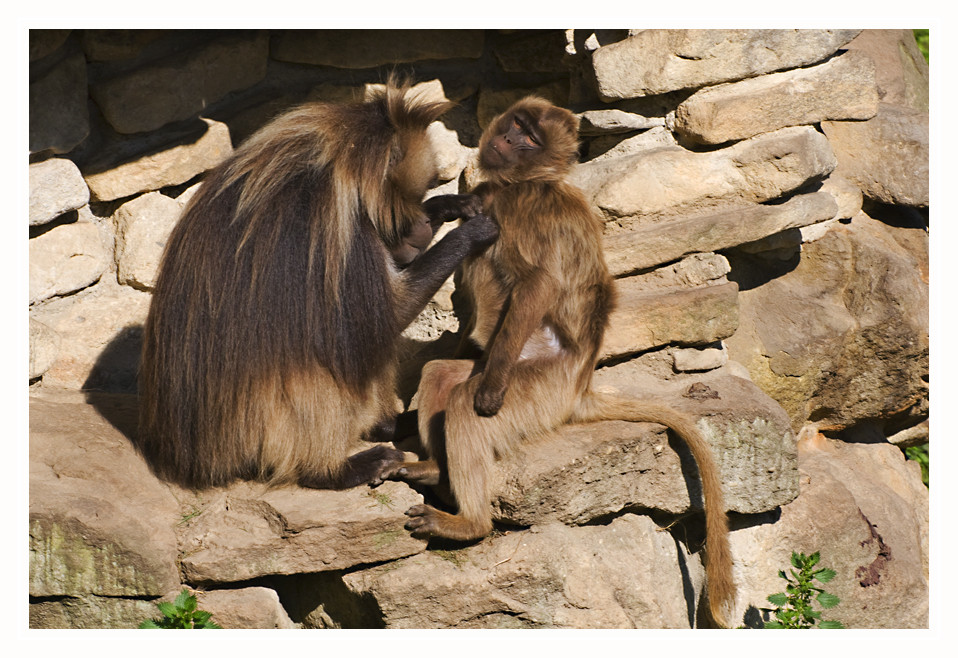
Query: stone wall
x,y
766,199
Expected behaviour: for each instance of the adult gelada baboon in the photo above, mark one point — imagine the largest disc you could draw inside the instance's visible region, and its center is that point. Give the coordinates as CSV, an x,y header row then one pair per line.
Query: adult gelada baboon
x,y
541,298
270,346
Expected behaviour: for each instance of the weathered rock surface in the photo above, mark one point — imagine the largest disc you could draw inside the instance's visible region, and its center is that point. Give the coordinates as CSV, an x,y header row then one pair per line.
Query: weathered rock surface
x,y
699,359
690,301
174,164
669,239
59,119
842,88
644,320
113,45
542,50
46,42
612,146
100,336
44,348
585,472
366,48
887,157
67,258
100,523
143,226
671,181
152,96
247,531
900,69
56,187
249,607
602,122
866,510
548,577
90,612
841,335
658,61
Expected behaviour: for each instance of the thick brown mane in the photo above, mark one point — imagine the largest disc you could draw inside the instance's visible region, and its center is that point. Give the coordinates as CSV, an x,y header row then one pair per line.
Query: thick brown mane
x,y
270,346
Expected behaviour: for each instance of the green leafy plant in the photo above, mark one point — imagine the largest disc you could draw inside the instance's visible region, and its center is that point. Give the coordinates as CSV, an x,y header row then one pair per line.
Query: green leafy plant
x,y
182,613
794,605
920,455
921,38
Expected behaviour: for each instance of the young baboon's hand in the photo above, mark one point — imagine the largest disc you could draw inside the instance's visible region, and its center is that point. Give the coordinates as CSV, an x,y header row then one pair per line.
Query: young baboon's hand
x,y
470,205
488,400
446,207
482,231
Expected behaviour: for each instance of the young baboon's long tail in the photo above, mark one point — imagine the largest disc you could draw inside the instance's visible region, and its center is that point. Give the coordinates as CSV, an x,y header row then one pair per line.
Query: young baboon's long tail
x,y
718,568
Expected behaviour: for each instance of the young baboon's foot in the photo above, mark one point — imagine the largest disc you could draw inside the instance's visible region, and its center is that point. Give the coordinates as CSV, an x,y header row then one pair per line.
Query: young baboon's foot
x,y
423,472
427,521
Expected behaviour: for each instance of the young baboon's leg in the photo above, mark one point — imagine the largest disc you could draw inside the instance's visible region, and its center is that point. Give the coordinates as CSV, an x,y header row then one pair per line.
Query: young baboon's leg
x,y
360,468
540,398
468,449
435,386
437,379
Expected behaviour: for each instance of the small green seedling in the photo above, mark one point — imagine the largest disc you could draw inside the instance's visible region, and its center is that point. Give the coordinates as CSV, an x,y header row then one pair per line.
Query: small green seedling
x,y
182,613
794,605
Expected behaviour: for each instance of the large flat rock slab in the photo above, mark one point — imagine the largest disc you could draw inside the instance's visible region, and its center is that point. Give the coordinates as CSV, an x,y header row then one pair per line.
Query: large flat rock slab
x,y
650,244
247,531
865,509
100,523
621,575
887,156
657,61
644,320
672,181
585,472
842,88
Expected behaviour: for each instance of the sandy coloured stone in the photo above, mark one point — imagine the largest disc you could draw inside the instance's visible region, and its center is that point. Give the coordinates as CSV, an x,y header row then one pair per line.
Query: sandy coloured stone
x,y
658,61
675,181
670,238
174,164
149,97
67,258
840,89
56,187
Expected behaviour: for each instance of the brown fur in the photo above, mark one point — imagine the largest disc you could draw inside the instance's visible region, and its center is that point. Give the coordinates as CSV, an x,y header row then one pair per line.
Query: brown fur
x,y
541,300
270,345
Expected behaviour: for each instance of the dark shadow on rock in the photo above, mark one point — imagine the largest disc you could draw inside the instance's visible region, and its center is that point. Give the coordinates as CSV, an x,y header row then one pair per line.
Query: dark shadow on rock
x,y
690,472
322,600
688,591
111,386
753,618
898,216
753,270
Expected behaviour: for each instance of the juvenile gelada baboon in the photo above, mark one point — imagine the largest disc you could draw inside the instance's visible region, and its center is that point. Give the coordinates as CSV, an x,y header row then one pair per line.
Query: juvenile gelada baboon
x,y
270,346
541,298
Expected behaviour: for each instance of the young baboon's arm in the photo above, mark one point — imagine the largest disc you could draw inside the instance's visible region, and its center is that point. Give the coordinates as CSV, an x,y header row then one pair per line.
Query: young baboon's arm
x,y
427,273
529,302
